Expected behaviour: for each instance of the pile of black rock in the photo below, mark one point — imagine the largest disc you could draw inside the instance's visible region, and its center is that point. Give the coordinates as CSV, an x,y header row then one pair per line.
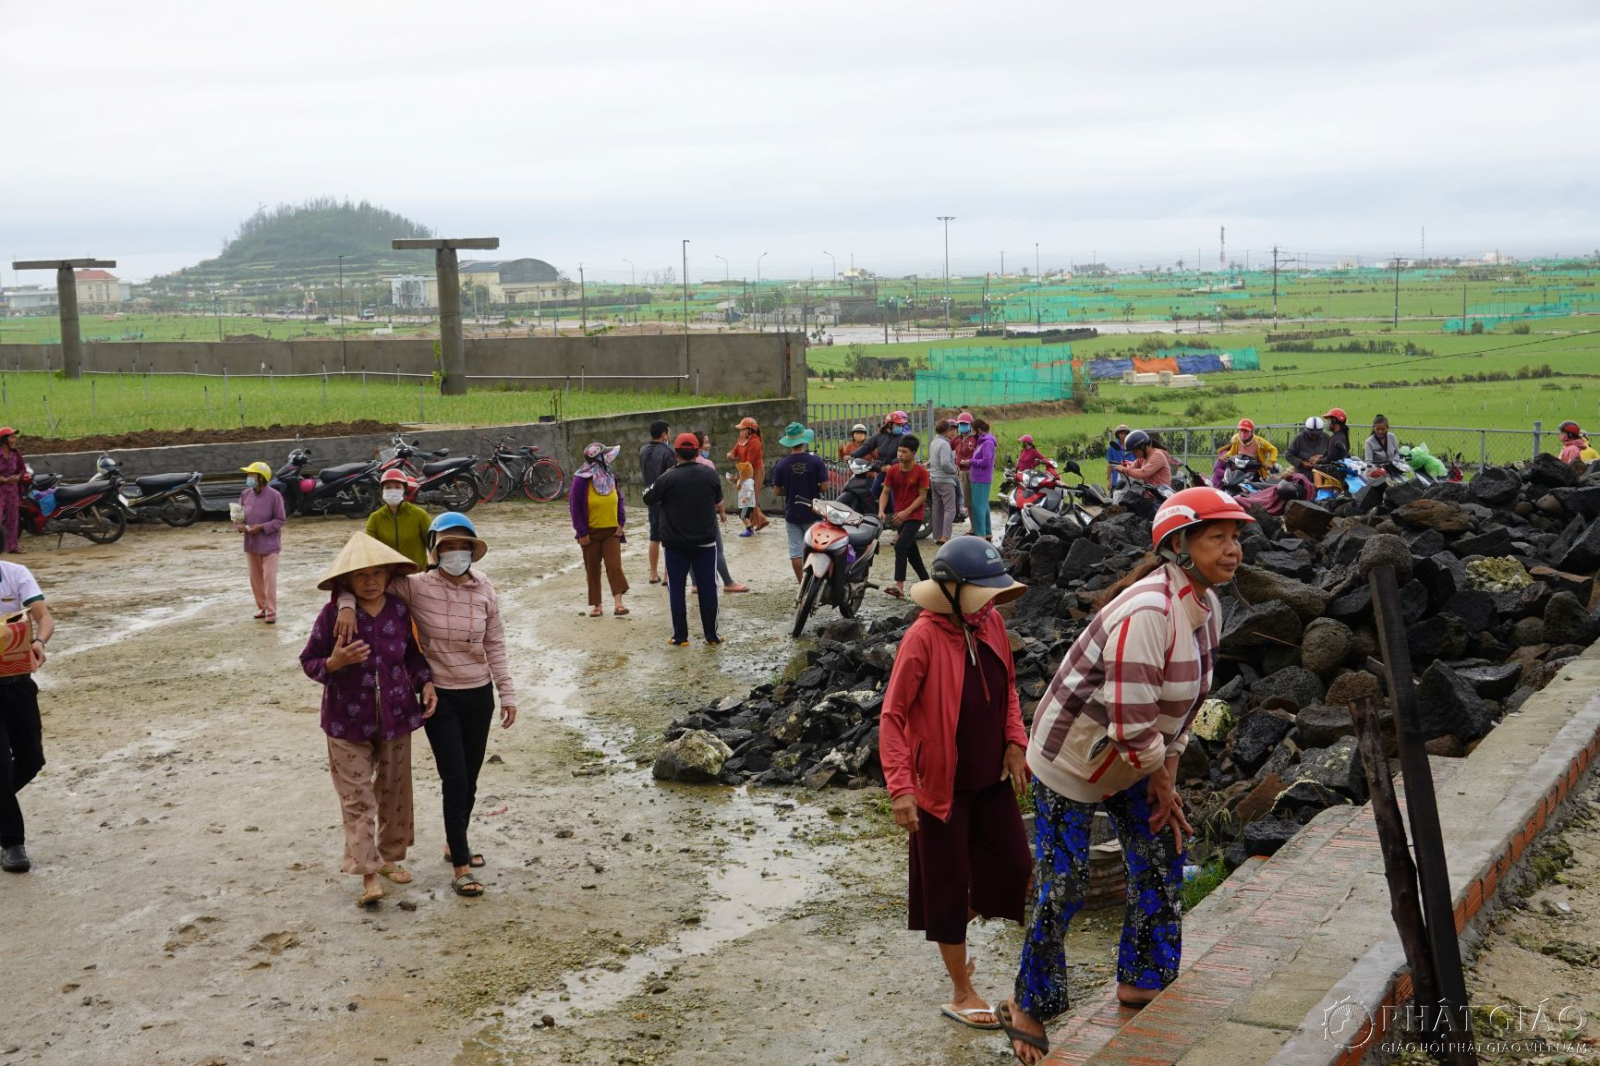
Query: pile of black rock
x,y
1498,593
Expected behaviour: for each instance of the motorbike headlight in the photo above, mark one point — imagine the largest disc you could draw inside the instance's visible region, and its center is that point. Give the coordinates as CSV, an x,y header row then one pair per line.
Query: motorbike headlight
x,y
838,517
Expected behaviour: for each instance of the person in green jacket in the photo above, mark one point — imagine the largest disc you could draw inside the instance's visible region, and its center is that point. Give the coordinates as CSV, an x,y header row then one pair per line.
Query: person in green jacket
x,y
399,523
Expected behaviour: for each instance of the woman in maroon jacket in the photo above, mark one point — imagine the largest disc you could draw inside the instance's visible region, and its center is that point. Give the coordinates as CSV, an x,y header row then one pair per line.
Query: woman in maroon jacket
x,y
951,742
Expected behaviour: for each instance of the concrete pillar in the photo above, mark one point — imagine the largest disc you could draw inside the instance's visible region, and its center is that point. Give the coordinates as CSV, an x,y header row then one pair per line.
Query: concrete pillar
x,y
67,309
452,349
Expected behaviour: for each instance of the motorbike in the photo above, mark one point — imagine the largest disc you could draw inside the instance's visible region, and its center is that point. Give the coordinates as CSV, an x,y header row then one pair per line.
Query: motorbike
x,y
1243,475
350,489
449,483
839,549
174,499
1142,498
94,510
1032,497
857,490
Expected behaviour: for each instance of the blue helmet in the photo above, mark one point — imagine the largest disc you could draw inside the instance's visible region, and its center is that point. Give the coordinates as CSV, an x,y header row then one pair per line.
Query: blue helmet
x,y
457,526
452,520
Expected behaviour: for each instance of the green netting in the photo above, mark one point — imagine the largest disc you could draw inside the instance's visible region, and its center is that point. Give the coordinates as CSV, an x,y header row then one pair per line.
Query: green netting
x,y
987,376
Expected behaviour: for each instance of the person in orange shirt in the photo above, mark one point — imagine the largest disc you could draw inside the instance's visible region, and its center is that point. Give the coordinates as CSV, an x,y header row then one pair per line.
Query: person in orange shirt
x,y
750,449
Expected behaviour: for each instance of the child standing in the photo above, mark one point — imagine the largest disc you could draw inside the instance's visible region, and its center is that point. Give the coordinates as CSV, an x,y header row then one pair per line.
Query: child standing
x,y
370,708
747,498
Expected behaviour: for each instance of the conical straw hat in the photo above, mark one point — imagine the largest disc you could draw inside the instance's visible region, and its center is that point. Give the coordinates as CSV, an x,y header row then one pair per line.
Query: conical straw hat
x,y
930,596
360,552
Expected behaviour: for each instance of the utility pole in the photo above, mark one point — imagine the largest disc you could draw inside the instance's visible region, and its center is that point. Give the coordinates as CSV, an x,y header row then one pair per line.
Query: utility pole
x,y
946,219
67,305
452,349
1274,286
1397,290
631,282
1002,262
760,257
344,357
1222,253
583,304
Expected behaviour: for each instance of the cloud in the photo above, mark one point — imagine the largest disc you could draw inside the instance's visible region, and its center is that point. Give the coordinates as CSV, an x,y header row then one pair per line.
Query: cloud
x,y
610,130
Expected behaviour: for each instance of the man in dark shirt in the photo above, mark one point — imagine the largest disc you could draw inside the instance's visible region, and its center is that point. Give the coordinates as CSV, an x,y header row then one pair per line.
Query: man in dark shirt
x,y
799,478
655,459
687,497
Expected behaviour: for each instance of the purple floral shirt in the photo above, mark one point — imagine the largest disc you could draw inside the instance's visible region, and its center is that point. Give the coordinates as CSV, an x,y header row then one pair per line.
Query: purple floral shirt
x,y
386,685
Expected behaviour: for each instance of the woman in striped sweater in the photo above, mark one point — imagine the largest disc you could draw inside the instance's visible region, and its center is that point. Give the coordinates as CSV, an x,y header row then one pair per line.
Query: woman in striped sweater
x,y
1109,732
458,627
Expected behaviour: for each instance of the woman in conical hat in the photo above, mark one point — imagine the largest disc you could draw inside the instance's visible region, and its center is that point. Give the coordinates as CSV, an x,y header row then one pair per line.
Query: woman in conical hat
x,y
376,691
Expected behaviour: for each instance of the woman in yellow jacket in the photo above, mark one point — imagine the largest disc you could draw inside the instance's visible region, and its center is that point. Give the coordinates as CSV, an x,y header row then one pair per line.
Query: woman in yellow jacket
x,y
399,523
1245,442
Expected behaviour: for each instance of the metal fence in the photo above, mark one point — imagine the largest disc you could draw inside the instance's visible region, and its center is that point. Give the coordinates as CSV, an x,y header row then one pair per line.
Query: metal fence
x,y
832,422
1475,448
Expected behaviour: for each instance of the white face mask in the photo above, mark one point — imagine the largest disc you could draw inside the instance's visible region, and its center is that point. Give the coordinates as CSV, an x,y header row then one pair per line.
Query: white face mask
x,y
394,496
455,563
252,481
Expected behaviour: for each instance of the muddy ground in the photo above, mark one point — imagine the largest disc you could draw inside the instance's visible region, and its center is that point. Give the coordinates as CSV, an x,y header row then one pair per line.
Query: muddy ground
x,y
1536,975
186,905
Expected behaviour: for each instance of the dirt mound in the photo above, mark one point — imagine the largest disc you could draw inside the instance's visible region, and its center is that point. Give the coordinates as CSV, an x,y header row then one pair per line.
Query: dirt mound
x,y
161,438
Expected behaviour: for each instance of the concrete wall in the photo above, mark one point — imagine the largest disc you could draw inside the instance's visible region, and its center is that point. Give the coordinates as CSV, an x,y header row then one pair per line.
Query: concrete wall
x,y
563,441
758,365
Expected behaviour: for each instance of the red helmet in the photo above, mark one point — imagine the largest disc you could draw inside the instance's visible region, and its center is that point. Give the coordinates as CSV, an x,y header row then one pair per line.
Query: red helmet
x,y
899,418
1570,429
1337,412
965,417
1026,438
394,473
1245,423
1191,507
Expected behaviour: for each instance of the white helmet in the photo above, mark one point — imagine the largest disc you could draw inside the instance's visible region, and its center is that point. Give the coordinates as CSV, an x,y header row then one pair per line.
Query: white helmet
x,y
858,428
1315,423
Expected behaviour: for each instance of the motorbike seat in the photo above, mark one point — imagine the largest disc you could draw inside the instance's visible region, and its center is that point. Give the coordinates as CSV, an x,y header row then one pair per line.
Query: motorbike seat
x,y
344,470
865,533
429,469
69,493
162,482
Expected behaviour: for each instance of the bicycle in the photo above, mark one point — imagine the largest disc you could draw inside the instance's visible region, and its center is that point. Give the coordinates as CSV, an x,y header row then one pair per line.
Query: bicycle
x,y
540,477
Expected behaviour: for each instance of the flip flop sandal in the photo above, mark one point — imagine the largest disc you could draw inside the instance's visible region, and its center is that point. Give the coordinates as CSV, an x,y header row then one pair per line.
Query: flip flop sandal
x,y
619,612
896,593
369,897
595,612
1002,1014
964,1017
396,873
460,886
736,588
655,581
259,614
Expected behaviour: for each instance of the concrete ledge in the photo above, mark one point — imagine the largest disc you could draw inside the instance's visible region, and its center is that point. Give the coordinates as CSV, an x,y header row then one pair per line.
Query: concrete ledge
x,y
1309,931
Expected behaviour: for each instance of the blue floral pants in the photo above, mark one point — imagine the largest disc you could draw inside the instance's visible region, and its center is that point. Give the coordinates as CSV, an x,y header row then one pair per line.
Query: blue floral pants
x,y
1152,930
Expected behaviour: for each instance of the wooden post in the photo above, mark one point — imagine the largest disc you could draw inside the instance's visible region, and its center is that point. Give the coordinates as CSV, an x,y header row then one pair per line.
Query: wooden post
x,y
1422,809
452,349
67,305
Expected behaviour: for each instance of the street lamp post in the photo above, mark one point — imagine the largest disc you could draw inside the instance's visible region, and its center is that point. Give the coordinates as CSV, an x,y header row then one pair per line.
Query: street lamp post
x,y
343,355
631,283
686,286
946,219
835,279
760,257
726,275
583,304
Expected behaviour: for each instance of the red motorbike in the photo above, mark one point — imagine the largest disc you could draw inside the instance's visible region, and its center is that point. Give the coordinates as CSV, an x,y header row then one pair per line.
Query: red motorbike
x,y
94,510
839,549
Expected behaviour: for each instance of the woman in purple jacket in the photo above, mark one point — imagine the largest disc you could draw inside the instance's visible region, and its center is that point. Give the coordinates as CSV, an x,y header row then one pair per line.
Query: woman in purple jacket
x,y
261,521
980,472
370,708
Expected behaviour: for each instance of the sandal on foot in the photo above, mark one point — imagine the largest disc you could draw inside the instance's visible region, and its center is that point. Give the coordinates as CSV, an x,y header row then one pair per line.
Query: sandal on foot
x,y
1002,1014
618,612
396,873
736,588
369,897
964,1017
655,581
467,885
896,593
595,612
259,615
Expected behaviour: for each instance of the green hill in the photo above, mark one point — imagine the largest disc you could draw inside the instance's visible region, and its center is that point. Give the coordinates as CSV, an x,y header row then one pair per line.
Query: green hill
x,y
303,243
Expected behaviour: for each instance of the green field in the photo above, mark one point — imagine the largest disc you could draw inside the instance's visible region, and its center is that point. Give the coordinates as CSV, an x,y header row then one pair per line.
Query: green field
x,y
44,329
42,406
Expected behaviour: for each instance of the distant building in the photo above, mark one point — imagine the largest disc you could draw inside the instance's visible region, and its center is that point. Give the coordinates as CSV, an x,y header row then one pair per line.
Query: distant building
x,y
409,292
31,300
98,289
508,281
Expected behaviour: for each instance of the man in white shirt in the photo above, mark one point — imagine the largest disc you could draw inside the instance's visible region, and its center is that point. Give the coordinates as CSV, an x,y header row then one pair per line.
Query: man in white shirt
x,y
21,737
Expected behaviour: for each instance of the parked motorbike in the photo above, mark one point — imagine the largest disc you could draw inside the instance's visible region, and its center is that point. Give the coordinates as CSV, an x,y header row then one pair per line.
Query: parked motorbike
x,y
839,549
857,490
171,498
449,483
1142,498
93,510
1032,497
350,489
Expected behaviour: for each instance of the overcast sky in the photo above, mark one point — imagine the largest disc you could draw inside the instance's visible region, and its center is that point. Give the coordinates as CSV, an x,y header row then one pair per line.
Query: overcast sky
x,y
603,131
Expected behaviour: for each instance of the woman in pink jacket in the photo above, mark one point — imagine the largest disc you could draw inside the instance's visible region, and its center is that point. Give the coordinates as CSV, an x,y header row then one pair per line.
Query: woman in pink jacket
x,y
951,742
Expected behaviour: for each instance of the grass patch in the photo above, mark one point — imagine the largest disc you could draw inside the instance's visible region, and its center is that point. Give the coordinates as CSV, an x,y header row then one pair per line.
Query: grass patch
x,y
1201,884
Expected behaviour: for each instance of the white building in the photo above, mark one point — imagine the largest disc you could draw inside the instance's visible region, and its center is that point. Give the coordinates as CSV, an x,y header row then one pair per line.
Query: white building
x,y
32,300
409,292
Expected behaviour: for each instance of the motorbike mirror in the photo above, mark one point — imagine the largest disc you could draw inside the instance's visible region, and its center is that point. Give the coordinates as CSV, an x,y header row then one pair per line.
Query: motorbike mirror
x,y
1071,467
